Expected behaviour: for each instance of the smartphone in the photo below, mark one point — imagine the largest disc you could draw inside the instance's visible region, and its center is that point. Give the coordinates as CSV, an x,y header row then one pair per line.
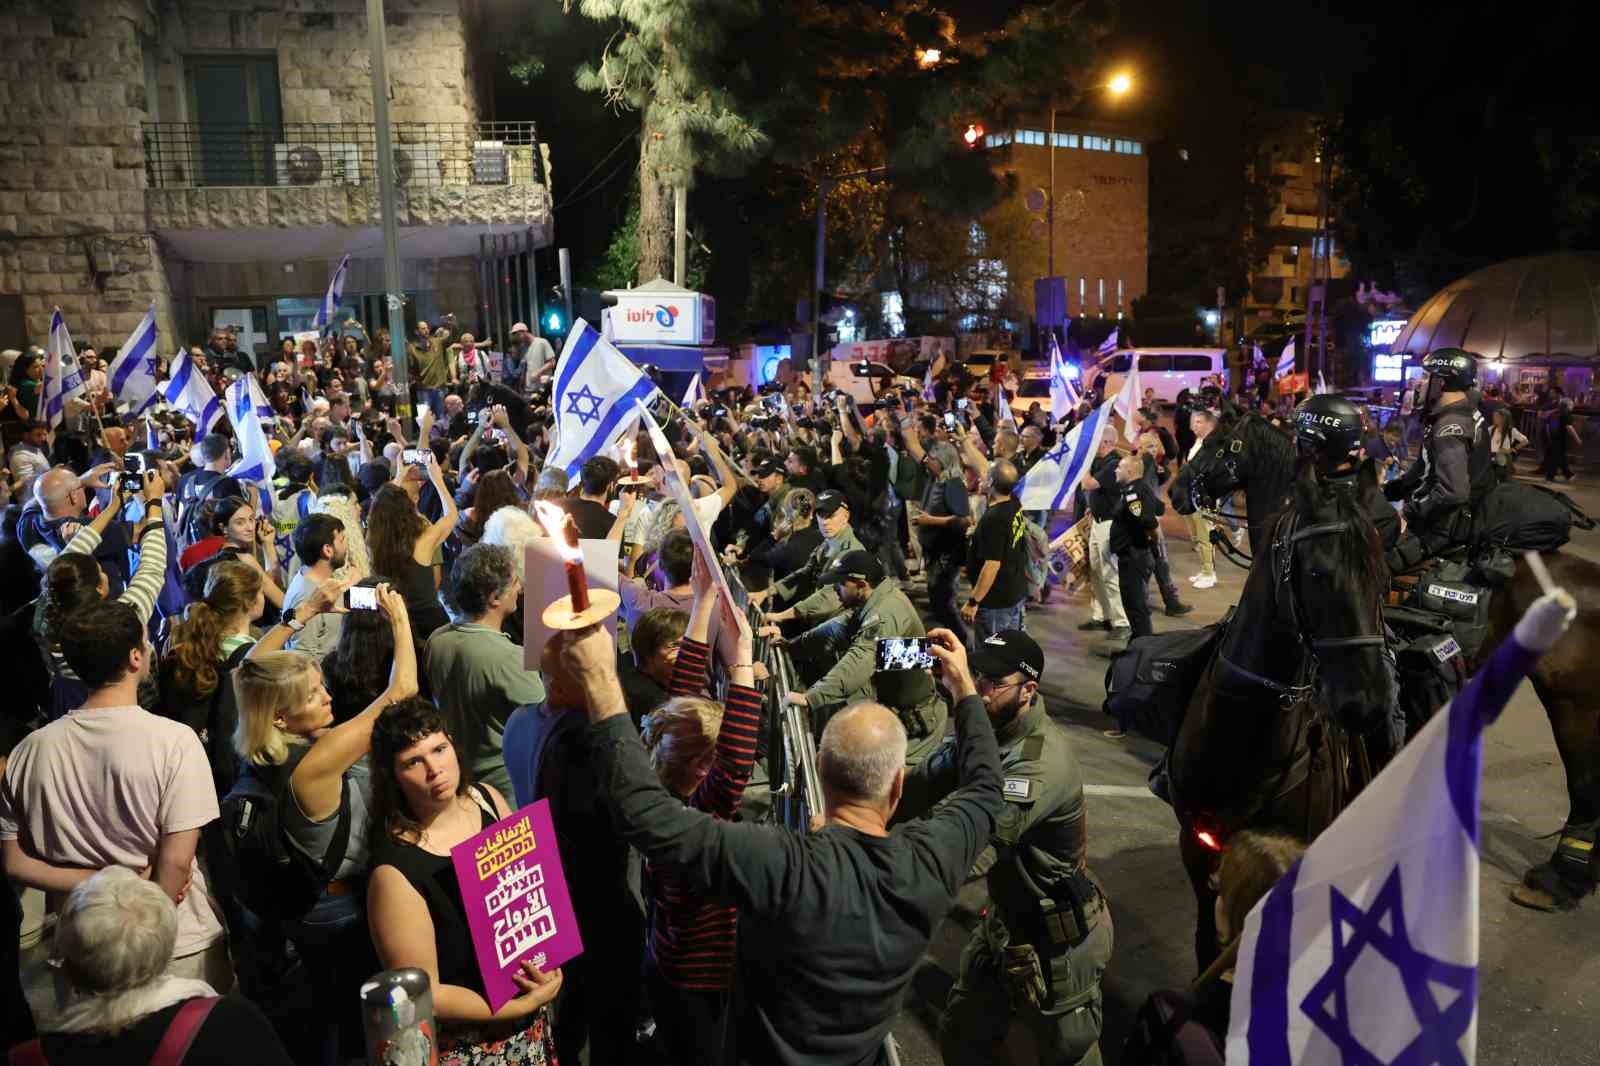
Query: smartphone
x,y
414,457
905,653
961,404
949,420
361,598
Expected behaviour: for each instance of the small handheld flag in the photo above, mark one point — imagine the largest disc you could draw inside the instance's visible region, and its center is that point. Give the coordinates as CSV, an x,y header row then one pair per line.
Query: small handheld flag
x,y
330,299
255,464
695,393
1128,399
132,374
1285,361
188,391
63,378
1109,345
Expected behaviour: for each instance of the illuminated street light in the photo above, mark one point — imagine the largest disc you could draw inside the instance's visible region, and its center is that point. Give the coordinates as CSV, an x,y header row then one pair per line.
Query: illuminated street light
x,y
929,57
1120,84
973,135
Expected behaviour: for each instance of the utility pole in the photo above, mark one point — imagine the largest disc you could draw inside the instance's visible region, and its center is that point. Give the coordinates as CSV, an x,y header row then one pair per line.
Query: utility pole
x,y
393,289
1050,210
680,236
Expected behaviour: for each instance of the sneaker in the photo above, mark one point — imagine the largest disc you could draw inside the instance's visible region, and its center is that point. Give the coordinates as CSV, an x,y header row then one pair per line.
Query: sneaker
x,y
1100,623
1193,578
1177,610
1205,582
1238,539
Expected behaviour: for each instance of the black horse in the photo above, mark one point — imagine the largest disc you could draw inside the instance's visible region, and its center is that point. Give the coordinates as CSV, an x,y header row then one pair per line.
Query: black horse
x,y
1264,743
1565,679
1252,454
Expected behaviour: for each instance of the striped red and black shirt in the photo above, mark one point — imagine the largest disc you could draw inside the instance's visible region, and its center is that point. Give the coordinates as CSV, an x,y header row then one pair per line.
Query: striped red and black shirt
x,y
692,939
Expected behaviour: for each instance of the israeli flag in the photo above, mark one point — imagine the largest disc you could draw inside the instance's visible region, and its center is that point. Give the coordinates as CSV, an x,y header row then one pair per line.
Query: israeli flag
x,y
63,377
1063,397
255,464
188,391
1002,407
1367,950
1129,397
1051,481
330,299
133,373
1109,345
258,399
928,395
1322,384
1285,361
695,393
595,396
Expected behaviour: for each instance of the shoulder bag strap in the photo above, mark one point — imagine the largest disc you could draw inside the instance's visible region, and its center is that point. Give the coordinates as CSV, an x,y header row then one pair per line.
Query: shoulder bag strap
x,y
181,1032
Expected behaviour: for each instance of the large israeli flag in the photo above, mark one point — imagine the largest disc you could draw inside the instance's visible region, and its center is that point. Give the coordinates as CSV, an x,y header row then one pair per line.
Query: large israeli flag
x,y
63,377
1285,361
255,464
1367,950
595,395
132,375
1050,483
330,299
188,391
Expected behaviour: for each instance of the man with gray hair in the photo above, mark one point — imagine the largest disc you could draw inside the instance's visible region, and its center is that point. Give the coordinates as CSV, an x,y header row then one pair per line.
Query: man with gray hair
x,y
477,672
832,923
59,508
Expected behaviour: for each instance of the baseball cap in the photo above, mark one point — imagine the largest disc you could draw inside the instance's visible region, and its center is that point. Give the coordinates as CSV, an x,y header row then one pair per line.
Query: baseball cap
x,y
520,327
768,467
860,565
1008,652
829,502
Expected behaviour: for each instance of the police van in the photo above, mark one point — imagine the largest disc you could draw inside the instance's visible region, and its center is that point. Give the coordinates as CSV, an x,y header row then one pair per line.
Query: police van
x,y
1166,370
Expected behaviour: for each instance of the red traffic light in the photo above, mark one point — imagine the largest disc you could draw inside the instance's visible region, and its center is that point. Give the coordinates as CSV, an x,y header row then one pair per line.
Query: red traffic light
x,y
973,135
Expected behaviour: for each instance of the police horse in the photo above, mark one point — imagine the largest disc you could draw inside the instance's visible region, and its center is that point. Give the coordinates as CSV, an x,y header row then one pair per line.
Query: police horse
x,y
1266,740
1229,765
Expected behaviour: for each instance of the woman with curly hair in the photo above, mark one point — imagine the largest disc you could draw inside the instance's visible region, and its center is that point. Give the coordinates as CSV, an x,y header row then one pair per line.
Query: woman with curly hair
x,y
357,669
423,804
211,640
407,548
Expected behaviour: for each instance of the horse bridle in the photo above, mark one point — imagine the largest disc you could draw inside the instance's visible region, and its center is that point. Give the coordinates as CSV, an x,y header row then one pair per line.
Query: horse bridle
x,y
1288,534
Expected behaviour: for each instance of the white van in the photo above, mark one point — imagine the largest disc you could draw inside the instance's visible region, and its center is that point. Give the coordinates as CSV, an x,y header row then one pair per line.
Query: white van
x,y
1166,370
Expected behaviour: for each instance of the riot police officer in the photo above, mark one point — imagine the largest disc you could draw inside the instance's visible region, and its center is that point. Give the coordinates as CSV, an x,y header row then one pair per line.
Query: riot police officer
x,y
1045,940
1454,466
1328,428
812,598
1133,538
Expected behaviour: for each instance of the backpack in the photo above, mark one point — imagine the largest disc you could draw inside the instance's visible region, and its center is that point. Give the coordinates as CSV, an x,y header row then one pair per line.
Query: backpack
x,y
272,877
1148,685
1035,556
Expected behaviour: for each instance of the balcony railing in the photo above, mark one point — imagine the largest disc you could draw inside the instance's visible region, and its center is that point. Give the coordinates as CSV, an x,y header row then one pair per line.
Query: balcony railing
x,y
309,154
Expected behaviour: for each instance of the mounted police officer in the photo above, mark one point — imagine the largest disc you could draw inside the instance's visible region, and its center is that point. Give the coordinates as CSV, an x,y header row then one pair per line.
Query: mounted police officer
x,y
1455,465
1328,429
1040,950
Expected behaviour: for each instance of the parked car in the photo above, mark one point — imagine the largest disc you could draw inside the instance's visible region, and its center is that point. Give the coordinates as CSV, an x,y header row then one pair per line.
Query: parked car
x,y
1167,370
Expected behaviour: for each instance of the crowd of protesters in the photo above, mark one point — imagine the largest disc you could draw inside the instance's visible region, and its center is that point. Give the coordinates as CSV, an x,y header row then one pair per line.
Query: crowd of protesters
x,y
184,638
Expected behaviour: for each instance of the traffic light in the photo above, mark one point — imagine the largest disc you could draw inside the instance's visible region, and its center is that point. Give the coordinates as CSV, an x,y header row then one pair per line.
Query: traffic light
x,y
554,322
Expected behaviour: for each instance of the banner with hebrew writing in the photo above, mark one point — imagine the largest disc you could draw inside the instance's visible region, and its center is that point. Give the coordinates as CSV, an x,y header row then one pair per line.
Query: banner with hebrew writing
x,y
516,898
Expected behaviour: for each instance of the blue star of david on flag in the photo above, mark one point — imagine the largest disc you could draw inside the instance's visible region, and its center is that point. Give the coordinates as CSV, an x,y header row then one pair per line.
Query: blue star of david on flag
x,y
577,402
1051,481
1442,994
1365,953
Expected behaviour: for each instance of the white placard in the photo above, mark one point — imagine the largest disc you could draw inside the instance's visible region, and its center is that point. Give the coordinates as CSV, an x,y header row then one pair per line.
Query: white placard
x,y
545,581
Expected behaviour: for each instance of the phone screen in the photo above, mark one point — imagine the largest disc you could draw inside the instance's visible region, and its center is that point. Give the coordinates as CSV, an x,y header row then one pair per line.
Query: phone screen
x,y
961,404
949,420
361,598
415,457
904,653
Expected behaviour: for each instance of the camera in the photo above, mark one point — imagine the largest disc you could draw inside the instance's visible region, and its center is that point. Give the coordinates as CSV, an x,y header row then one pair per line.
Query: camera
x,y
417,456
771,388
133,468
763,421
361,598
904,653
715,411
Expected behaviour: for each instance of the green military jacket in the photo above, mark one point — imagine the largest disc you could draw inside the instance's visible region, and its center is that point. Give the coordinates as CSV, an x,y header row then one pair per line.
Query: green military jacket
x,y
850,641
824,602
1043,825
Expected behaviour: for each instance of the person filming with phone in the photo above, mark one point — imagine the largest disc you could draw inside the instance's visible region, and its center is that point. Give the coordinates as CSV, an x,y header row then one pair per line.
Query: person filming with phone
x,y
873,610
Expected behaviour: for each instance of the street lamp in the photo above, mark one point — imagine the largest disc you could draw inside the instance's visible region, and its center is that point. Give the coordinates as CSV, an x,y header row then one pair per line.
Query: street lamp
x,y
929,57
1119,85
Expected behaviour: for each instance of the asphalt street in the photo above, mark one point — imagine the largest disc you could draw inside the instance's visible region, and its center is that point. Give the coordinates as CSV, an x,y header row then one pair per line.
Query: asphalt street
x,y
1539,977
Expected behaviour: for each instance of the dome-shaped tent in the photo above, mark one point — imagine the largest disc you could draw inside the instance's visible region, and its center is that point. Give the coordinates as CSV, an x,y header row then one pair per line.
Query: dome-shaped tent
x,y
1542,309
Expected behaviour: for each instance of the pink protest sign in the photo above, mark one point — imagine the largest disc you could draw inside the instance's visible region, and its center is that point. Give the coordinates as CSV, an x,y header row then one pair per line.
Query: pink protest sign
x,y
516,899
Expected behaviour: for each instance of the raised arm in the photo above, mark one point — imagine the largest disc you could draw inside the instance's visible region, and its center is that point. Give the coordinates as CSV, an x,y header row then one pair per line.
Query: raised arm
x,y
435,534
318,779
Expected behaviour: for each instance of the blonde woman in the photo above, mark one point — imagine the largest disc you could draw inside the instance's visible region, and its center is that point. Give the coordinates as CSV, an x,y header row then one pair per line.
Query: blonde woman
x,y
318,770
703,753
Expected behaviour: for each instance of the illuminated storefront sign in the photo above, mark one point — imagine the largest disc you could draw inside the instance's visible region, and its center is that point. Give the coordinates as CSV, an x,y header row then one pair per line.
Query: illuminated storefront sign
x,y
1381,333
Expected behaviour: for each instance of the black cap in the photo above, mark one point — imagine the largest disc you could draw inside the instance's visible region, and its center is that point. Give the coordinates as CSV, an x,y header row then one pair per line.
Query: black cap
x,y
1008,652
829,502
860,565
768,467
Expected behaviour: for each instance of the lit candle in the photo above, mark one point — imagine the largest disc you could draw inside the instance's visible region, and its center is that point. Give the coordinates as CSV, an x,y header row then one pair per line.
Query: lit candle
x,y
564,531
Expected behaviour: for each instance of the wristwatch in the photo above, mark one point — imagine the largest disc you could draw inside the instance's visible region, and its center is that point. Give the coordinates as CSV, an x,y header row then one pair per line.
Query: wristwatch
x,y
294,624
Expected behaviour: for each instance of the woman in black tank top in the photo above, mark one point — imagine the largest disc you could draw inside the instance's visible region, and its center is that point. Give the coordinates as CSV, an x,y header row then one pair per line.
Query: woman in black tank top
x,y
423,804
404,543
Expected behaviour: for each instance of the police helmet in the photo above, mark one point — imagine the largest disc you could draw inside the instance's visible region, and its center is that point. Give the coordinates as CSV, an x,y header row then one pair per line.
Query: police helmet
x,y
1456,368
1328,426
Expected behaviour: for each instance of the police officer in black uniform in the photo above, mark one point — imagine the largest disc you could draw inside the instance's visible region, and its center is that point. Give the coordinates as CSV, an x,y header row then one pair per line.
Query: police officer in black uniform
x,y
1454,467
1133,536
1328,428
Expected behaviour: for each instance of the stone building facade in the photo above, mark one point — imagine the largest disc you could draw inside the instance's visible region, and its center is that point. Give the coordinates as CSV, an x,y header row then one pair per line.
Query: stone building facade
x,y
217,158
